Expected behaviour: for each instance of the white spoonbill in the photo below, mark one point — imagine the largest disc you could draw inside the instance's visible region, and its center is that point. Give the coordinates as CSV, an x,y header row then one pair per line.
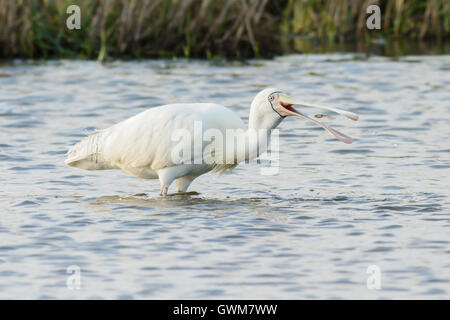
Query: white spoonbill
x,y
144,145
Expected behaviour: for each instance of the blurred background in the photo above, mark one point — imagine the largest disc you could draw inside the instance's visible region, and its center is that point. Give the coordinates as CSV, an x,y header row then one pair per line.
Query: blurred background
x,y
219,28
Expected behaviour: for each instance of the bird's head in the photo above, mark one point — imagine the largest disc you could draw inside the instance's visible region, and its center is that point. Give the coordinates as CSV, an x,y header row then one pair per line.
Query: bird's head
x,y
272,102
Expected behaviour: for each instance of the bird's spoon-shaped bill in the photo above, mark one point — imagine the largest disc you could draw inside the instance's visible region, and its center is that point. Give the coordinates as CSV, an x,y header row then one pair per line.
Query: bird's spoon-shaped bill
x,y
288,100
284,99
339,135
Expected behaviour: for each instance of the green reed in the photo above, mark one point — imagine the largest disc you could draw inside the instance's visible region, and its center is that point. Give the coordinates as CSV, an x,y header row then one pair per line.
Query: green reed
x,y
204,28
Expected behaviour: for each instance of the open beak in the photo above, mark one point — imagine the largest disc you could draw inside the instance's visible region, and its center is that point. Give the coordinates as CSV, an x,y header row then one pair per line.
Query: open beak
x,y
287,102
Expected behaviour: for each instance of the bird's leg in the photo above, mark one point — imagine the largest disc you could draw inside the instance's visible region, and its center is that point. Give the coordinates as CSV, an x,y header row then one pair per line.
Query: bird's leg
x,y
166,177
164,190
183,183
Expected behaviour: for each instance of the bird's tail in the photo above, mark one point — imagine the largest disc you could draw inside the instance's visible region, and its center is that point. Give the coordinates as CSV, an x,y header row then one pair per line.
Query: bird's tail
x,y
88,153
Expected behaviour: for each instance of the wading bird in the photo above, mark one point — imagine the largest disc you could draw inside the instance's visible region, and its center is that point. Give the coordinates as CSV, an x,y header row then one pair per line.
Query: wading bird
x,y
146,145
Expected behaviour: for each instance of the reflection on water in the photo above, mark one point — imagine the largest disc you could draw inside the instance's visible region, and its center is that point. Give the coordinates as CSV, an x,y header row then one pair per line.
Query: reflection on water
x,y
376,46
309,232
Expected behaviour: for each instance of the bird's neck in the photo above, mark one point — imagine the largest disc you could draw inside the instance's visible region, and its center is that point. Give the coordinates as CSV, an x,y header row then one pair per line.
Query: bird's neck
x,y
266,121
259,132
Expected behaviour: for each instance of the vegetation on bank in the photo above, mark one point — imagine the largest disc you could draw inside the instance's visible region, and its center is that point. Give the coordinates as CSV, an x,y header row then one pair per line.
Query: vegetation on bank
x,y
205,28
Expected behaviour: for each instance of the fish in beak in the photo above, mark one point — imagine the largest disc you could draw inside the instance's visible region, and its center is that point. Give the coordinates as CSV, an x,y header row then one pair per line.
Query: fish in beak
x,y
285,108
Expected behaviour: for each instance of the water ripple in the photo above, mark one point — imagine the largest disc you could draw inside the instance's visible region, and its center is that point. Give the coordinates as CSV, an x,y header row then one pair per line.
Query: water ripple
x,y
309,232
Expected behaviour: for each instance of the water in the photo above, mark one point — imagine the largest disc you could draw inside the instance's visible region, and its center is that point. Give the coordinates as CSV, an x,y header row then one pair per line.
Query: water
x,y
309,232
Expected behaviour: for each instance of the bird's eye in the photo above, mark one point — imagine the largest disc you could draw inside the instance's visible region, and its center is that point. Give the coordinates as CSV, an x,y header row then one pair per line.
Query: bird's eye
x,y
271,98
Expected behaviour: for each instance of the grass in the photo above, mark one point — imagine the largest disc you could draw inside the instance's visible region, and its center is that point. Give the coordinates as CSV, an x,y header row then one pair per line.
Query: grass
x,y
205,28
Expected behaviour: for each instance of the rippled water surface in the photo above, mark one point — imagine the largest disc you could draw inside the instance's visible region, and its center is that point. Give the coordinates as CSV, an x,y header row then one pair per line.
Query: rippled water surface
x,y
311,231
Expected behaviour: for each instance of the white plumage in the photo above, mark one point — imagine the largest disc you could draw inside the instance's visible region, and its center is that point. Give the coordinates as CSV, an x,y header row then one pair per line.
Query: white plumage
x,y
143,145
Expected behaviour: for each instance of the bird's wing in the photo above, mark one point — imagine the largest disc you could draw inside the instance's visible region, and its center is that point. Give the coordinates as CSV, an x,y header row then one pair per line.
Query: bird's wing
x,y
150,138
